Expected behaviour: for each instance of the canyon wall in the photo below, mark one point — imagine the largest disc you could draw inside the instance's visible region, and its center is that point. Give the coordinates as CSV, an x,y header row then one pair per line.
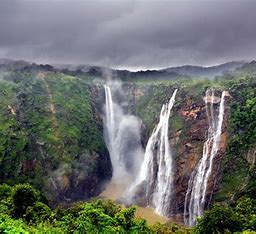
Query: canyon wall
x,y
52,133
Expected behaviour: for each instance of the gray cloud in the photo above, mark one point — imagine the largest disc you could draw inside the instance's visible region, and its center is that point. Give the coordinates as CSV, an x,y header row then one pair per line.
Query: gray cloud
x,y
128,33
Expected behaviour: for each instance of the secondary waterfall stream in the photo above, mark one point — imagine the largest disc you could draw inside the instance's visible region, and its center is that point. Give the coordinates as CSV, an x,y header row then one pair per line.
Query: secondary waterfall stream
x,y
156,173
198,182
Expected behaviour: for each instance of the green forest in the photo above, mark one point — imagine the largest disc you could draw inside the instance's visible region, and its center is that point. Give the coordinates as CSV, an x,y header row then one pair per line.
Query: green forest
x,y
23,209
54,161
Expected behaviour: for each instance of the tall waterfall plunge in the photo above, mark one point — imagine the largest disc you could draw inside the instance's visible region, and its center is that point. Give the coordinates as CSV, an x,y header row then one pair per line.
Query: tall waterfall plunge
x,y
198,182
156,173
122,137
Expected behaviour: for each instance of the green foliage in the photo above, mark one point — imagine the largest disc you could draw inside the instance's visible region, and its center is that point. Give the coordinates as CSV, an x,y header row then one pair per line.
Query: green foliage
x,y
11,226
47,121
97,216
237,171
243,119
177,123
108,206
104,217
5,198
13,138
149,105
246,208
93,220
248,232
219,220
169,228
38,212
5,191
23,197
228,219
46,228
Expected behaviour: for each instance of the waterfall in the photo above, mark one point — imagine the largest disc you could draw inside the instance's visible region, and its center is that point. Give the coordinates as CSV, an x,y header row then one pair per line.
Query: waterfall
x,y
198,182
111,127
156,172
122,137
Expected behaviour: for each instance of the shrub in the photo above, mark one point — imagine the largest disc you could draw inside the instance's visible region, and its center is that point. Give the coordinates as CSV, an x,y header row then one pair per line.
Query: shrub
x,y
219,220
5,191
169,228
23,196
38,213
11,226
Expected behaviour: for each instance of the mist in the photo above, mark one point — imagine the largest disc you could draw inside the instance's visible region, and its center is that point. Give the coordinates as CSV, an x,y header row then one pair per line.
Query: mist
x,y
122,134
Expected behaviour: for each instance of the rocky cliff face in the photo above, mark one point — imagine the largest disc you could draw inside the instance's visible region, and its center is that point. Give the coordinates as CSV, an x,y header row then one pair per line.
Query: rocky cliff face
x,y
190,149
51,135
188,132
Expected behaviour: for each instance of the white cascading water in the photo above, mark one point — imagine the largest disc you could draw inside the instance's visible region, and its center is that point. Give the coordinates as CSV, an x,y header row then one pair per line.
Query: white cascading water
x,y
122,136
156,171
198,182
111,131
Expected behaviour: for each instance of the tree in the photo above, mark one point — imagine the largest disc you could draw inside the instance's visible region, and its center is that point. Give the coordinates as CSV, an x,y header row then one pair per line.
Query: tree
x,y
219,219
38,213
23,196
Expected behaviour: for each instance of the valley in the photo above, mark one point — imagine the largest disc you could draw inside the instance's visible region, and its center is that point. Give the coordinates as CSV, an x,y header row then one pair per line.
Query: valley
x,y
159,145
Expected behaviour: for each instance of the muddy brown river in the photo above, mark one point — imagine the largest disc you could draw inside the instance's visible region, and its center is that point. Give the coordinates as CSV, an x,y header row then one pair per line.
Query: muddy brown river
x,y
115,191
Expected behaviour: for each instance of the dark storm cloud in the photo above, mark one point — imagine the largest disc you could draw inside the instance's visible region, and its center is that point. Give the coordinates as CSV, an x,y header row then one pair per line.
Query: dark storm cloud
x,y
128,33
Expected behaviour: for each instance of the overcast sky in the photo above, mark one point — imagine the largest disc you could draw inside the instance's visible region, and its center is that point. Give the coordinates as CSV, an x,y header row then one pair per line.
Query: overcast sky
x,y
133,34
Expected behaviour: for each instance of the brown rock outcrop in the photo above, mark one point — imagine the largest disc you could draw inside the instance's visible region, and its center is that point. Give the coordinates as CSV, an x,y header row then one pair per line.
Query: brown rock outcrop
x,y
190,149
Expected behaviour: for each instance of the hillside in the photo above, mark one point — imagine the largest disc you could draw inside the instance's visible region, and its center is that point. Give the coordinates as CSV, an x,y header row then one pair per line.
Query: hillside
x,y
171,73
50,135
52,129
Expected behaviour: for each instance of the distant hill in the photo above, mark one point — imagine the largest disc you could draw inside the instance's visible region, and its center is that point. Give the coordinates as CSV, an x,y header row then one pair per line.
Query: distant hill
x,y
248,67
167,73
199,71
171,73
125,75
13,64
